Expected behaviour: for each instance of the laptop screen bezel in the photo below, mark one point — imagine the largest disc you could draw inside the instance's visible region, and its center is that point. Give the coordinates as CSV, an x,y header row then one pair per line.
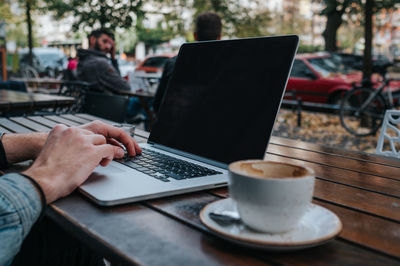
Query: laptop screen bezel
x,y
294,39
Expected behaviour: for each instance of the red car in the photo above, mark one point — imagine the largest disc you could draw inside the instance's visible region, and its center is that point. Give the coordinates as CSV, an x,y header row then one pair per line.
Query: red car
x,y
152,66
319,78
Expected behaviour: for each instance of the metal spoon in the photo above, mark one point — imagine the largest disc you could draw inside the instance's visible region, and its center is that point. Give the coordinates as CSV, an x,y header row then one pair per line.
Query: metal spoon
x,y
225,216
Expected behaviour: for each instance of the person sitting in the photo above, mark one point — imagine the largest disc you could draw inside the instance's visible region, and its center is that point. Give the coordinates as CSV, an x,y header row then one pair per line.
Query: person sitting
x,y
208,27
102,74
96,68
64,159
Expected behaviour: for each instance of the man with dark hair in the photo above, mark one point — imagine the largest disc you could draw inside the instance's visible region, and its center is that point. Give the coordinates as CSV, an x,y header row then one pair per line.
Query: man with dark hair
x,y
95,67
207,27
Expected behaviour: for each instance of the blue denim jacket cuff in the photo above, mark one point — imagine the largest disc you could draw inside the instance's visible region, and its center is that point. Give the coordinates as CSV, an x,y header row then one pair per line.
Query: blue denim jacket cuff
x,y
24,197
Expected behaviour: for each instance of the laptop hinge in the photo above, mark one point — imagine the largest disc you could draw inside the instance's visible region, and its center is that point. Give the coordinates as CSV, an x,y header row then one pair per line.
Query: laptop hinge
x,y
189,155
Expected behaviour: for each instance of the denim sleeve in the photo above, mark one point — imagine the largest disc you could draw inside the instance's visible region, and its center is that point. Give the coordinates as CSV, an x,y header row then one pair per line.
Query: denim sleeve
x,y
20,207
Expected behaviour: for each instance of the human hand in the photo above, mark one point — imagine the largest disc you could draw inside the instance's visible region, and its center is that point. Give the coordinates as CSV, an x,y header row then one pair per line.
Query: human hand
x,y
69,156
112,49
114,135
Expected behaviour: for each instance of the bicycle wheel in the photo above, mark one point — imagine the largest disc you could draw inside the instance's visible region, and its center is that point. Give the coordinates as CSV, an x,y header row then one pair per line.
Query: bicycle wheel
x,y
366,121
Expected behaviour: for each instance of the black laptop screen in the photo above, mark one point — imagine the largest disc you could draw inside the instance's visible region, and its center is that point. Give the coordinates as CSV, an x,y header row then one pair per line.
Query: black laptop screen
x,y
223,97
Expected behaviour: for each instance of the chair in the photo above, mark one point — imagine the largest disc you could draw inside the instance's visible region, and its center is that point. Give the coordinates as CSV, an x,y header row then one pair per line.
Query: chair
x,y
112,107
76,89
390,135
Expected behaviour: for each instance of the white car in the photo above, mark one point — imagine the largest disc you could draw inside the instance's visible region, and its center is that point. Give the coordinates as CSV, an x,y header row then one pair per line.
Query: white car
x,y
126,67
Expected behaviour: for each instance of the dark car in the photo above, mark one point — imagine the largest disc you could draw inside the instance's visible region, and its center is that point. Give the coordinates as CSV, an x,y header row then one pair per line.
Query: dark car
x,y
152,65
356,61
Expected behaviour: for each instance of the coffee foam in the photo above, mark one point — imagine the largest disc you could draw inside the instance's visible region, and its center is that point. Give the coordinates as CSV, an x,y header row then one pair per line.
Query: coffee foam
x,y
269,169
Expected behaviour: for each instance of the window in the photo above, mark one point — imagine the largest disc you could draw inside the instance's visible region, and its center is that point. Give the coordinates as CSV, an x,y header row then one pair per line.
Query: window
x,y
300,70
156,62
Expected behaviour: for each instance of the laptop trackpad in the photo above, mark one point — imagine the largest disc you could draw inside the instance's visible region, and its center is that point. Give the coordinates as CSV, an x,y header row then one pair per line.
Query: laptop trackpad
x,y
114,182
110,169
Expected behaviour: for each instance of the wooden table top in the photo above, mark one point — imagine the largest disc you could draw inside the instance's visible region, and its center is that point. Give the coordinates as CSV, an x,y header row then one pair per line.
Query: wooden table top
x,y
38,81
362,189
14,99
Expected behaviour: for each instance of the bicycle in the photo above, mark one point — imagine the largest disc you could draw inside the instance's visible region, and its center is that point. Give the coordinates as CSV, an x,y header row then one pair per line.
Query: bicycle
x,y
363,108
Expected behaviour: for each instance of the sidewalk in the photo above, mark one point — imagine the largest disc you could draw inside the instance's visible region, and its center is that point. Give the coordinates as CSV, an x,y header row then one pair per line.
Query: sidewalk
x,y
323,129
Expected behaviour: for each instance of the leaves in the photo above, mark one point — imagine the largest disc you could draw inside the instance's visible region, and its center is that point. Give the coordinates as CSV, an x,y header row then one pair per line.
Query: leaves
x,y
89,14
323,129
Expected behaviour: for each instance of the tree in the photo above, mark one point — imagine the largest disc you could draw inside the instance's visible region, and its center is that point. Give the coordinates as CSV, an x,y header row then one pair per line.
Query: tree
x,y
89,14
153,37
334,11
28,5
239,19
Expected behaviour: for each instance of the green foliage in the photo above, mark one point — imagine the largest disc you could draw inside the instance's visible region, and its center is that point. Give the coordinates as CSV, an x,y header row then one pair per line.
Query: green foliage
x,y
350,10
5,11
16,29
153,37
89,14
309,48
238,19
355,6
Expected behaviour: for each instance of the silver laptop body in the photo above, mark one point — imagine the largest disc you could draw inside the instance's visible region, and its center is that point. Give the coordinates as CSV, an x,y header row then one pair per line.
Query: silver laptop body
x,y
219,107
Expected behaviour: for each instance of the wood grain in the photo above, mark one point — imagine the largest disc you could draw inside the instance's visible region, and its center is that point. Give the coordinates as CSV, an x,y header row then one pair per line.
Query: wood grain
x,y
369,182
342,163
30,124
135,234
44,121
187,207
363,190
14,127
76,118
361,228
61,120
339,153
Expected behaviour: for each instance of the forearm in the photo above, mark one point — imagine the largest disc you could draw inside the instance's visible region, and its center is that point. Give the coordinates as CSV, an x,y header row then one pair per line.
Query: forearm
x,y
20,207
21,147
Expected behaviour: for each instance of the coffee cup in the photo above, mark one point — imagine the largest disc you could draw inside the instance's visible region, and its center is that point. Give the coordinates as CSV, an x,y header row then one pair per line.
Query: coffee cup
x,y
270,196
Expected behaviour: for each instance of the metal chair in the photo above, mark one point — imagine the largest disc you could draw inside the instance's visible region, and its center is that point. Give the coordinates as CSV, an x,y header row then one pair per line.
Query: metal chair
x,y
112,107
390,135
76,89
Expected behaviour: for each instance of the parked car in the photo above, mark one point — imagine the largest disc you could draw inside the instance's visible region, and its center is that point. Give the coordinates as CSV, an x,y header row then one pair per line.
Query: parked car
x,y
148,73
320,78
153,66
46,61
356,61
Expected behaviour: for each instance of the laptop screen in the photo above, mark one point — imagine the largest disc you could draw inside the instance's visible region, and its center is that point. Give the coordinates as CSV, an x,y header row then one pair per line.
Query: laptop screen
x,y
223,97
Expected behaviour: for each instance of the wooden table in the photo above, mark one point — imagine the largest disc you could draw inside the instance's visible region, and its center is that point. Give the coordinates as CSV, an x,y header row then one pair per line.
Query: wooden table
x,y
363,190
48,85
12,100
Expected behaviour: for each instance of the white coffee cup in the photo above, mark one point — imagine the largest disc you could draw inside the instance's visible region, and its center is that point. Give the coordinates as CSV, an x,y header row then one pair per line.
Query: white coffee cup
x,y
270,196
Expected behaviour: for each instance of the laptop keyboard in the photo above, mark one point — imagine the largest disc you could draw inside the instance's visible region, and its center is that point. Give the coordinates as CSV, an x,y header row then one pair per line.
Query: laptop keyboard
x,y
164,167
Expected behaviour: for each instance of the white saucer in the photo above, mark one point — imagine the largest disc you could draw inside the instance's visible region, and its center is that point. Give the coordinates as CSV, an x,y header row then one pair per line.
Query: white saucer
x,y
316,227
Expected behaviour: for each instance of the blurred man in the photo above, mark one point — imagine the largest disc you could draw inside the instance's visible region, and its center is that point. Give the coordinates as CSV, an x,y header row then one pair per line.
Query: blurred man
x,y
96,68
64,159
208,27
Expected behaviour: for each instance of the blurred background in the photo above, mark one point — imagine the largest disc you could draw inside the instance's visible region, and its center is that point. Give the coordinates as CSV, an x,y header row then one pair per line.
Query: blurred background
x,y
342,42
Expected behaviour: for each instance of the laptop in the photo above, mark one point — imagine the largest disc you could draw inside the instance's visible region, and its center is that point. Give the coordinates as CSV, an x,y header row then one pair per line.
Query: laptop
x,y
220,106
